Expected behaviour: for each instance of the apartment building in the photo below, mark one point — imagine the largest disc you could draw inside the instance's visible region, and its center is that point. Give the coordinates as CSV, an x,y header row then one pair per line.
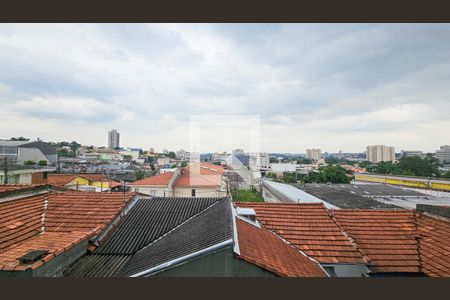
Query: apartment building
x,y
313,154
443,154
113,139
377,153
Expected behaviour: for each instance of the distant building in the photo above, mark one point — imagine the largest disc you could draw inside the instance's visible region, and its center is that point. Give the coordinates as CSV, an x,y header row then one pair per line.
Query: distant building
x,y
260,161
18,174
377,153
443,154
196,180
22,151
183,155
113,139
313,154
408,153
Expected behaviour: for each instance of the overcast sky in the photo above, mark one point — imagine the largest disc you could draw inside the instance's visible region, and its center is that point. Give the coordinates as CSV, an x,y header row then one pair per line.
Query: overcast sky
x,y
334,87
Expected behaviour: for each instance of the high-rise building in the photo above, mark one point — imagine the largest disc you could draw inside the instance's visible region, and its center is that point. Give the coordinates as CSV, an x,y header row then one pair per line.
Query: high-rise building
x,y
113,139
443,154
313,154
409,153
377,153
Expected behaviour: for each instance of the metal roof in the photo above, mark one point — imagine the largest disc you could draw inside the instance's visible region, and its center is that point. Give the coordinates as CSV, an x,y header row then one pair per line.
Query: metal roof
x,y
150,219
343,195
211,227
156,231
296,195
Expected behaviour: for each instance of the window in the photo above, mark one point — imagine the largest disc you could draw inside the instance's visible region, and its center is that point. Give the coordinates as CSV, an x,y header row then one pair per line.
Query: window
x,y
193,192
44,175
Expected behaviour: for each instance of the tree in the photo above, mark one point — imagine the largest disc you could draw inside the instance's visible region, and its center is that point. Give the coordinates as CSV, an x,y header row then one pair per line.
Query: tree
x,y
42,163
328,174
29,163
273,160
74,146
20,138
139,174
446,175
183,164
127,158
172,154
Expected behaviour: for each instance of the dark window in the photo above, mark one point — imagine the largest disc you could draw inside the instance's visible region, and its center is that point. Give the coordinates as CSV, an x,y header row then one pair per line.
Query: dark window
x,y
44,175
193,192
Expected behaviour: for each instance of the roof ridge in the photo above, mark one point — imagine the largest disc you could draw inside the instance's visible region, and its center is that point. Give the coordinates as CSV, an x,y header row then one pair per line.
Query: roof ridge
x,y
417,238
330,214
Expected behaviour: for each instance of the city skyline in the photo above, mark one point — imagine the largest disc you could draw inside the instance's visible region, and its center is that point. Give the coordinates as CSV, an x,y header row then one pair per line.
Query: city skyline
x,y
327,86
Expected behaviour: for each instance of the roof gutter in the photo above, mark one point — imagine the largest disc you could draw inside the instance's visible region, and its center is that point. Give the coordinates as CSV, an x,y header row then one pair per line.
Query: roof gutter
x,y
184,258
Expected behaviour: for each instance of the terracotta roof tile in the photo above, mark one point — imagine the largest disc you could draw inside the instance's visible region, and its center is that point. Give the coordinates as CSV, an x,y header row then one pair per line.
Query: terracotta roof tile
x,y
308,227
386,237
70,218
263,248
161,179
60,180
200,175
16,187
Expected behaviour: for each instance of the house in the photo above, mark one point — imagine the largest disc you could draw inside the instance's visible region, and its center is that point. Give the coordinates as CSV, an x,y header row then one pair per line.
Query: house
x,y
89,182
20,174
196,180
42,234
173,240
364,242
22,151
159,185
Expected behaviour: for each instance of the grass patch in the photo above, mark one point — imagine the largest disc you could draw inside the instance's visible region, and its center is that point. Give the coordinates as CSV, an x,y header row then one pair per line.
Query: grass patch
x,y
247,196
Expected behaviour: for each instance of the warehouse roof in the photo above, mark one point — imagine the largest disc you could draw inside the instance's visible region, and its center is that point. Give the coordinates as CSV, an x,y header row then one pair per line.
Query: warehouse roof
x,y
349,195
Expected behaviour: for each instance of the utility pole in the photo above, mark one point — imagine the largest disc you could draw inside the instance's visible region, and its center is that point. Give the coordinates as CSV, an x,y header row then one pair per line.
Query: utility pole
x,y
5,170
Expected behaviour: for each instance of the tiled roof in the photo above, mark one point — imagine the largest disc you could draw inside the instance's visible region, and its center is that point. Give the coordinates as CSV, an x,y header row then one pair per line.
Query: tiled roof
x,y
308,227
154,231
60,179
386,237
69,217
16,187
434,245
94,177
263,248
400,241
191,179
161,179
200,175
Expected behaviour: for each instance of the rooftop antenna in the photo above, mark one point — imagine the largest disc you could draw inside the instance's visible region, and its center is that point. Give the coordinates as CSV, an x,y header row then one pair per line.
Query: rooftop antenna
x,y
43,215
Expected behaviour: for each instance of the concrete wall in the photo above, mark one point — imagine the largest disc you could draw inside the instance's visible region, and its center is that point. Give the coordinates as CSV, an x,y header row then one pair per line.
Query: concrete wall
x,y
219,264
199,192
346,270
33,154
154,191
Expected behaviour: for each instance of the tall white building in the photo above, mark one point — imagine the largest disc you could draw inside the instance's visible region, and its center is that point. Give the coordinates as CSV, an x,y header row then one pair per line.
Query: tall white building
x,y
313,154
443,154
377,153
260,161
113,139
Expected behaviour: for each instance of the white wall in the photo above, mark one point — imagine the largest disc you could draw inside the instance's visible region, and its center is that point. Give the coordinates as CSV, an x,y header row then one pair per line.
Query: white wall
x,y
33,154
154,191
199,192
